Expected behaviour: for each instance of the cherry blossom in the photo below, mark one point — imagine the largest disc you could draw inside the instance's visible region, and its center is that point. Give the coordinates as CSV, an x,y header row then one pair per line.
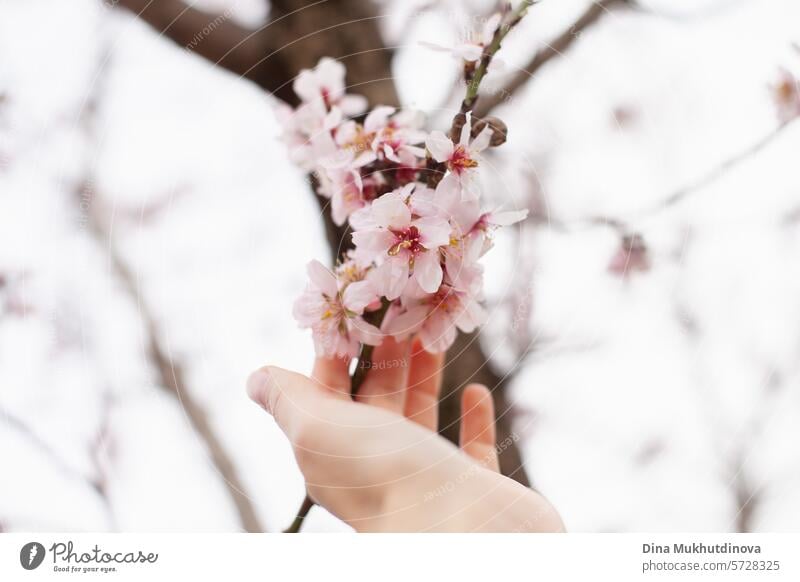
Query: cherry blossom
x,y
324,88
415,266
334,313
436,317
462,160
404,245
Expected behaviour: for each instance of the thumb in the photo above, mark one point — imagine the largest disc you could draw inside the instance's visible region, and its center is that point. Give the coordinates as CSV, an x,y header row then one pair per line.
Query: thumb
x,y
288,396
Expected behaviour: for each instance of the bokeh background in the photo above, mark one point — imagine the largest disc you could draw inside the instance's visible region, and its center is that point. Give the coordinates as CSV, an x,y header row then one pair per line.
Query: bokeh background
x,y
153,234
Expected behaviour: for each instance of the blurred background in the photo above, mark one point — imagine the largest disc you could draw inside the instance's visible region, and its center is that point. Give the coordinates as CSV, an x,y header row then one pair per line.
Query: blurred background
x,y
644,336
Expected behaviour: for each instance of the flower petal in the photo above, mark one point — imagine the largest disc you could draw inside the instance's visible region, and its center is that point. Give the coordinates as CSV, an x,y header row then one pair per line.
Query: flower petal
x,y
407,322
391,210
435,231
438,335
373,241
468,52
466,131
507,217
378,118
428,271
482,141
365,332
358,295
440,146
391,278
322,278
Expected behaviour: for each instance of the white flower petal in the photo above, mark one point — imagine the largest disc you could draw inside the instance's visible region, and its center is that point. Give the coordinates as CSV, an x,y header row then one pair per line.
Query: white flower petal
x,y
391,278
358,295
438,336
373,241
406,323
507,217
391,211
435,231
481,142
378,118
365,332
322,278
466,131
468,52
490,27
472,316
436,47
353,105
428,271
440,146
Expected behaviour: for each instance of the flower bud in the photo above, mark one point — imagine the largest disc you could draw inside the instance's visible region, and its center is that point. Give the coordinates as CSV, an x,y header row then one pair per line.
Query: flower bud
x,y
499,130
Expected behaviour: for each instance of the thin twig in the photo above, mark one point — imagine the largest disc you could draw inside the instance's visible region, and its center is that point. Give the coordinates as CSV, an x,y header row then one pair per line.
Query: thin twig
x,y
100,223
555,48
172,380
476,77
622,224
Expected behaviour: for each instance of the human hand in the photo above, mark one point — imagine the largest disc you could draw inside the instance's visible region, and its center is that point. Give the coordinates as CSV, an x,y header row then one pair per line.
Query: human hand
x,y
377,462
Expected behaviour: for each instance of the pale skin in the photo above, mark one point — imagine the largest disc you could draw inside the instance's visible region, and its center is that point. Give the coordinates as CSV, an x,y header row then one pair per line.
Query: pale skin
x,y
377,462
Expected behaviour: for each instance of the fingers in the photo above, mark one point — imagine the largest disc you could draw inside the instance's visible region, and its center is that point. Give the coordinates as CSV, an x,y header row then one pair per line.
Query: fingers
x,y
478,436
289,397
387,378
424,385
333,375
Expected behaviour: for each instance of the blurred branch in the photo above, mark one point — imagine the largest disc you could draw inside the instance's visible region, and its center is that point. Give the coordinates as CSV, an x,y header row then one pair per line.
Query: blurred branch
x,y
171,374
622,224
215,37
100,225
19,426
555,48
298,34
720,170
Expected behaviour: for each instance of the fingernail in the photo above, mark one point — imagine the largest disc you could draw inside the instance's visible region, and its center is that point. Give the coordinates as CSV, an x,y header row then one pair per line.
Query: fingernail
x,y
257,386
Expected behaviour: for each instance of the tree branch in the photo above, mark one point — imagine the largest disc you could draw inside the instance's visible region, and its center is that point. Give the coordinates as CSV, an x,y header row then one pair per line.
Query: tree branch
x,y
622,224
555,48
171,374
215,37
100,225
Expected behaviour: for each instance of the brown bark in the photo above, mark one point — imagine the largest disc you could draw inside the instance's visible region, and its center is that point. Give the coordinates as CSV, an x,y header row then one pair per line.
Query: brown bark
x,y
466,364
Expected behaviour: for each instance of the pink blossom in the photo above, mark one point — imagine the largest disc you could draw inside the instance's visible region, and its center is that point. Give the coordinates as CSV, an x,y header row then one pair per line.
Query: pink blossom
x,y
345,188
396,135
462,160
324,87
436,318
334,312
307,133
402,244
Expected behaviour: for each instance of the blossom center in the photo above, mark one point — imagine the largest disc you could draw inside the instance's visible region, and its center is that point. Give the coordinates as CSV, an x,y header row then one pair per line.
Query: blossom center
x,y
408,239
461,160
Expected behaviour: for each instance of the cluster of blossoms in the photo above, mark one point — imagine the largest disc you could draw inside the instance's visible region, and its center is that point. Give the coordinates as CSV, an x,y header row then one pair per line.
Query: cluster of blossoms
x,y
412,201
